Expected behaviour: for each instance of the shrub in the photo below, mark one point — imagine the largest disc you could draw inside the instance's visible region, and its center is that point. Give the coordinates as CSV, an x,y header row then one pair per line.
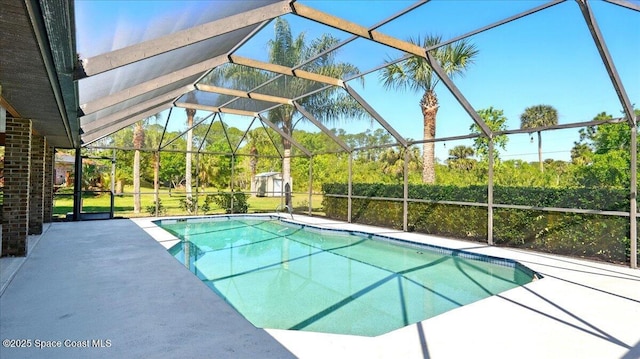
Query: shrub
x,y
188,204
583,235
223,200
151,209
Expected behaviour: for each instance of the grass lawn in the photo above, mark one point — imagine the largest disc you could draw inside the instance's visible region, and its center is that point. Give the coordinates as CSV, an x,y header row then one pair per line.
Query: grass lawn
x,y
123,204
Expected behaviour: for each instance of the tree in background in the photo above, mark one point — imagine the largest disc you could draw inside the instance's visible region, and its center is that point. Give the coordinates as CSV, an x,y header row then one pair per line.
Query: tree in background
x,y
415,74
329,105
392,161
496,121
258,144
216,159
539,116
141,140
138,143
188,156
459,158
602,154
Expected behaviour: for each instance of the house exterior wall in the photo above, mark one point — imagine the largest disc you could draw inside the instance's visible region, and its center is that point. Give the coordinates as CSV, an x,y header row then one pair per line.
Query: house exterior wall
x,y
17,173
36,179
49,160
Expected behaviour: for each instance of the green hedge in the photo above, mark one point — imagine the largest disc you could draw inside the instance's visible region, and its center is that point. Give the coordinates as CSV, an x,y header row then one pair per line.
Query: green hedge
x,y
581,235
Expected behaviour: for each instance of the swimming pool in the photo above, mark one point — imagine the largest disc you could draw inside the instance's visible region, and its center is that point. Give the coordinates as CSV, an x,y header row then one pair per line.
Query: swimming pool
x,y
283,275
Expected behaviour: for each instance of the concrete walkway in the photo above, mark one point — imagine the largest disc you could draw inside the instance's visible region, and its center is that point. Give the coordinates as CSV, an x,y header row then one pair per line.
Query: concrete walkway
x,y
109,286
9,266
111,283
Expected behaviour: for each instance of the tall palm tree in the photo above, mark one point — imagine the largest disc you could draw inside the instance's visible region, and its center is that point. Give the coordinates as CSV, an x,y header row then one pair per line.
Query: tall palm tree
x,y
138,143
139,139
539,116
327,106
187,174
415,74
253,163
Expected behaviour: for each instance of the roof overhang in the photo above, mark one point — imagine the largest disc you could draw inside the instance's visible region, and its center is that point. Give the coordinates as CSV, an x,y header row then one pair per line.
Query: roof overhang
x,y
38,61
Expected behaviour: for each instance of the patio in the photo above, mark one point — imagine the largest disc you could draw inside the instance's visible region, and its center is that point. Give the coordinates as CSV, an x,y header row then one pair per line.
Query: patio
x,y
112,281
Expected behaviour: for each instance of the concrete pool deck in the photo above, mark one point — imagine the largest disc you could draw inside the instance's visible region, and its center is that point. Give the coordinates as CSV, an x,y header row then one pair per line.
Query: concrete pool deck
x,y
110,280
108,285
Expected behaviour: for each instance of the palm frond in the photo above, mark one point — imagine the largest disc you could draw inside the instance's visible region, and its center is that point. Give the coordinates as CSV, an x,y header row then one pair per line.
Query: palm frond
x,y
415,74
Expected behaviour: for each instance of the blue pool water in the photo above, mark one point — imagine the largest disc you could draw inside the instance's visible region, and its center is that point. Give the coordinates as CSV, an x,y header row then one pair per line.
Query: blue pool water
x,y
289,276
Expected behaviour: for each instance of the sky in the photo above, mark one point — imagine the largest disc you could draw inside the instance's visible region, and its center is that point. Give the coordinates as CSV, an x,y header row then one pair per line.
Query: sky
x,y
545,58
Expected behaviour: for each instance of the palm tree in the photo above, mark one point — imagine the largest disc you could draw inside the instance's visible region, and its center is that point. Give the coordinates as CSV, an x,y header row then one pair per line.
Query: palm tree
x,y
138,143
461,152
415,74
327,106
187,174
539,116
139,139
459,157
253,163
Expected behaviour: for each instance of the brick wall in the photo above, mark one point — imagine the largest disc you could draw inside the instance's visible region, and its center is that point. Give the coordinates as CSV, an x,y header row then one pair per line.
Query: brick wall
x,y
17,159
49,161
36,193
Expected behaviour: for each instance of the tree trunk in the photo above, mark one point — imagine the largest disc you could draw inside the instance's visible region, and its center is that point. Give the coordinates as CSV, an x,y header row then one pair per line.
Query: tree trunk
x,y
138,142
429,105
286,160
187,175
156,181
286,164
136,182
540,151
253,166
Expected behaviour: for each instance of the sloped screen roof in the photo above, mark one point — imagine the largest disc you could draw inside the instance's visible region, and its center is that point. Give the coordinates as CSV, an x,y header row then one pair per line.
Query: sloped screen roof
x,y
141,58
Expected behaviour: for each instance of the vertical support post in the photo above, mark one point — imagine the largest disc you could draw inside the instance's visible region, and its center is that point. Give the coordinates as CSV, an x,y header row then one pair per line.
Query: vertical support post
x,y
627,107
490,194
49,175
633,209
77,186
405,202
36,183
349,187
156,181
310,182
17,163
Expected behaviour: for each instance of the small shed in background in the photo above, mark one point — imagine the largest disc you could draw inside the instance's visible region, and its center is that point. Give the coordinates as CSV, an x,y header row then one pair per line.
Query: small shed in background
x,y
268,184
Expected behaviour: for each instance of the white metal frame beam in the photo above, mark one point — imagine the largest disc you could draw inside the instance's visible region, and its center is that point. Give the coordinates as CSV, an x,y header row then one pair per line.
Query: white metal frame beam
x,y
134,53
102,122
109,129
243,94
285,70
231,111
145,87
390,41
355,29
